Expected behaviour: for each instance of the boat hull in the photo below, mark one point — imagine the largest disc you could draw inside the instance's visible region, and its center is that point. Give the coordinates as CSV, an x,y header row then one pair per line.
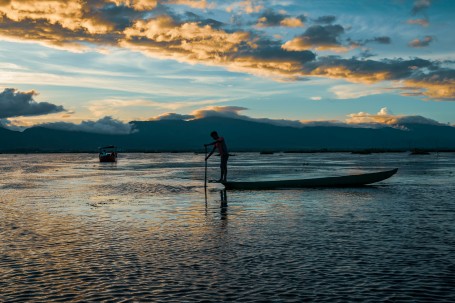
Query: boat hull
x,y
108,158
342,181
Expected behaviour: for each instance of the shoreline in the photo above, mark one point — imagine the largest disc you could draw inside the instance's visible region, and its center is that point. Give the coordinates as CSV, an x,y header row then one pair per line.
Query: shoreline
x,y
260,151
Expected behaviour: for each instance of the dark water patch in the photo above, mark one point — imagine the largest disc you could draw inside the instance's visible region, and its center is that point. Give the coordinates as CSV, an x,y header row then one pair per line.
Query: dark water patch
x,y
18,186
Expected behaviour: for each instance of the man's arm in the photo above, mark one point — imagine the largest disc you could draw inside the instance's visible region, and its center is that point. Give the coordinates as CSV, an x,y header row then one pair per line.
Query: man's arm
x,y
211,153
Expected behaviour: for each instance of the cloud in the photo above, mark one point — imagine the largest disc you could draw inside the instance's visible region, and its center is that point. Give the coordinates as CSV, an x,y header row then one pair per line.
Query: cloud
x,y
355,91
318,37
362,119
382,40
247,6
106,125
233,112
164,37
140,5
366,71
73,15
437,85
219,111
199,4
192,17
271,18
11,125
325,20
423,22
63,24
116,107
172,116
421,43
385,117
151,27
14,103
420,6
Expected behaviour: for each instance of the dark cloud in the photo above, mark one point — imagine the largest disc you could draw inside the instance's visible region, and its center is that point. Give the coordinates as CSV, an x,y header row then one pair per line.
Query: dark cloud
x,y
14,103
119,16
8,124
106,125
417,120
366,54
325,20
192,17
394,68
420,6
438,84
272,18
323,35
421,42
382,40
318,37
271,50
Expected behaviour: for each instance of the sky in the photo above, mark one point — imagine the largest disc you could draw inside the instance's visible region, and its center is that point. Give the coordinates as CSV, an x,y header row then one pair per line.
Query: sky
x,y
96,63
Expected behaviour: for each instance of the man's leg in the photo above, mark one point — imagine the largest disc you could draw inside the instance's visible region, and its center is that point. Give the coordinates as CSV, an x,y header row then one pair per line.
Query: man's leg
x,y
224,161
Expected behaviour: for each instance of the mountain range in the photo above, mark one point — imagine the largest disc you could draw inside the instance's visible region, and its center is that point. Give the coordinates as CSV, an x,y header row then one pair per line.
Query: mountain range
x,y
240,135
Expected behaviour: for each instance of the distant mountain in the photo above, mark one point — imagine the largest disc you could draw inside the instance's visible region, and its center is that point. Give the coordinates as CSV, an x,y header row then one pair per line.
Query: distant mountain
x,y
241,135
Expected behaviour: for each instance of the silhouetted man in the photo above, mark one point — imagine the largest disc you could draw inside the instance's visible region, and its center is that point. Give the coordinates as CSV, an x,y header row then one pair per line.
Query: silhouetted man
x,y
219,144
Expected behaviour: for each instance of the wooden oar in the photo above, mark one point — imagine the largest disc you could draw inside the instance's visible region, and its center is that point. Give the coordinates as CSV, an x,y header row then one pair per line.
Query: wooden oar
x,y
205,176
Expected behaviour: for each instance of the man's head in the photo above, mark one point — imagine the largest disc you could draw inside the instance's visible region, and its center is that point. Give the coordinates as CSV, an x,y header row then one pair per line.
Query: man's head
x,y
214,135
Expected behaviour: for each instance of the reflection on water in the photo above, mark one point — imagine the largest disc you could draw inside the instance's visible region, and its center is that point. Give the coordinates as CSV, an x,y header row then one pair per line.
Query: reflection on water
x,y
145,229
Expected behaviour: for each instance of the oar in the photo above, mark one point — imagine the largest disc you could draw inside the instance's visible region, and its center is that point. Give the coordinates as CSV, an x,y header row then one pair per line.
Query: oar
x,y
205,176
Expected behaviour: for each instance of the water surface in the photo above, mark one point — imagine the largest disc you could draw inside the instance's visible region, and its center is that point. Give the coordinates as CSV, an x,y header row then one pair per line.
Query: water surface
x,y
144,229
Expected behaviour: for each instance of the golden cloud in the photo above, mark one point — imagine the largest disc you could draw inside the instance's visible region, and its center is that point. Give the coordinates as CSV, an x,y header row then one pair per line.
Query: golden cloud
x,y
431,88
139,5
292,22
188,42
248,6
382,117
68,14
72,24
385,117
303,43
342,72
200,4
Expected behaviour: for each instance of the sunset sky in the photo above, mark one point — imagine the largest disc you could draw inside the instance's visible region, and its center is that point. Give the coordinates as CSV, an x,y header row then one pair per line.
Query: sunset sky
x,y
348,61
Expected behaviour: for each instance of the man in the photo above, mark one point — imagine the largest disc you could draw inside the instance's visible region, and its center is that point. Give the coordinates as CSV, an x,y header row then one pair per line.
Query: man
x,y
219,144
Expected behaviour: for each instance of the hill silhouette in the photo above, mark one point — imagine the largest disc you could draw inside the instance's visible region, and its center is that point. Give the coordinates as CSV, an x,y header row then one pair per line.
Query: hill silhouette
x,y
241,135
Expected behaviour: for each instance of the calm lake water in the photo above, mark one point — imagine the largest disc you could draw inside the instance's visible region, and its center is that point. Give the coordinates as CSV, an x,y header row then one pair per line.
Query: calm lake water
x,y
144,230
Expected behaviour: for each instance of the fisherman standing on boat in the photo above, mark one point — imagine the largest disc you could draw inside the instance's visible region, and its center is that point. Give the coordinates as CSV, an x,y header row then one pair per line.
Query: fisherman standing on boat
x,y
219,144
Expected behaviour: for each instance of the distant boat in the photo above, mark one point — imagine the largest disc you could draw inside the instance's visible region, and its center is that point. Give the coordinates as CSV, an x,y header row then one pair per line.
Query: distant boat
x,y
361,152
419,152
342,181
265,152
108,154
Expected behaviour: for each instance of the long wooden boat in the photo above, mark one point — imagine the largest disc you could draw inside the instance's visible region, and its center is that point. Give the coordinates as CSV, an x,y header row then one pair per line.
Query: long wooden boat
x,y
342,181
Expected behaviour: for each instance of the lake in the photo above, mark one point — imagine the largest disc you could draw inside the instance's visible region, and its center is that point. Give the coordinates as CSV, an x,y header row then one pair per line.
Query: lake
x,y
144,229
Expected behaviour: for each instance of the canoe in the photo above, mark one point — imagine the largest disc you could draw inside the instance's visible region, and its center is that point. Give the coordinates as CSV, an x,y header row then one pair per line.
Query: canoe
x,y
342,181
